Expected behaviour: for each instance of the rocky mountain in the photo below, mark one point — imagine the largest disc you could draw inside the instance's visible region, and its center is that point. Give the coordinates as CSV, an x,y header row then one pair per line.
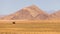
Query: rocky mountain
x,y
28,13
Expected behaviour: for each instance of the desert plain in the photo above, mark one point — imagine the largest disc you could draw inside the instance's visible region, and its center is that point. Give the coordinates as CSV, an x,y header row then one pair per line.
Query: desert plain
x,y
29,27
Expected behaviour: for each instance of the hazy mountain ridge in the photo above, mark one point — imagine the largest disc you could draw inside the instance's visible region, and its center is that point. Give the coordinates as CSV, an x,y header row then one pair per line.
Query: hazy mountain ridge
x,y
31,13
55,15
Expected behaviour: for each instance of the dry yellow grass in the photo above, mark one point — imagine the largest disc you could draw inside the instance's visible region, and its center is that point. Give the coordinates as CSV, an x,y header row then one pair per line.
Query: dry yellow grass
x,y
30,27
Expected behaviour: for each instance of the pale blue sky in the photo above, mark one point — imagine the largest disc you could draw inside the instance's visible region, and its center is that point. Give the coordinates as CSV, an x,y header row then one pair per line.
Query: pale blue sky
x,y
11,6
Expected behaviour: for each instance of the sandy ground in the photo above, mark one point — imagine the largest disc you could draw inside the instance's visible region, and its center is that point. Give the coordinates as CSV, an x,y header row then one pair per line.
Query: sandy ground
x,y
29,27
